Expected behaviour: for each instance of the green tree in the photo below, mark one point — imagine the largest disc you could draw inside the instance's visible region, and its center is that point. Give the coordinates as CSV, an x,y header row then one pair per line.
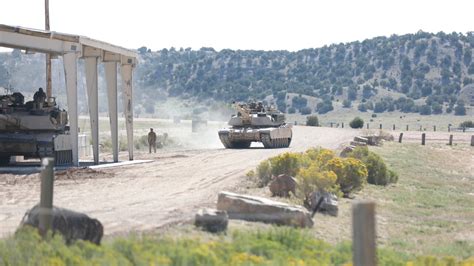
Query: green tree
x,y
425,110
361,107
305,110
312,120
357,122
346,103
460,109
437,108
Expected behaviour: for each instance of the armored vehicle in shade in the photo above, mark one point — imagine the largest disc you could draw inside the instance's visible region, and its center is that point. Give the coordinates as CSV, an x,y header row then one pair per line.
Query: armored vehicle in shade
x,y
34,129
256,123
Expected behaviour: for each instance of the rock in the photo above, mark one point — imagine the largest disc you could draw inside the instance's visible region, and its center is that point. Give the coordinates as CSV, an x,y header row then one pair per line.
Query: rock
x,y
329,204
282,185
345,152
212,220
374,140
361,139
377,140
72,225
358,143
259,209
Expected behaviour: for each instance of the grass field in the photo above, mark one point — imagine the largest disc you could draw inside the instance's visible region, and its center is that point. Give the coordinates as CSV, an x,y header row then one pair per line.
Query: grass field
x,y
431,209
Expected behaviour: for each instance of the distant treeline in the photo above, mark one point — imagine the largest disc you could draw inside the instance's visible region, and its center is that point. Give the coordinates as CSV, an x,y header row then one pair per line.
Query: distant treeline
x,y
379,74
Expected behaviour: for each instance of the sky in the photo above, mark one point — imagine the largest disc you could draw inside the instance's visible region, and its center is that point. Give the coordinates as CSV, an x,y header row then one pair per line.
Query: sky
x,y
240,24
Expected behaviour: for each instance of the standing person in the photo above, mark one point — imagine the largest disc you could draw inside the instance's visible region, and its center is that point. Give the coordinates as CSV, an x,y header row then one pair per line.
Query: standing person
x,y
152,140
39,97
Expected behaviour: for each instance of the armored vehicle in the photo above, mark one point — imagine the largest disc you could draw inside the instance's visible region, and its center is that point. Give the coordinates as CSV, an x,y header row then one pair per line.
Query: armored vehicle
x,y
256,123
34,129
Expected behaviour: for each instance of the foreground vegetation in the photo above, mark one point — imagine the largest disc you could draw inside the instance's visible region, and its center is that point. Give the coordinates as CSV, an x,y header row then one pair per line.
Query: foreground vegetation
x,y
320,169
275,246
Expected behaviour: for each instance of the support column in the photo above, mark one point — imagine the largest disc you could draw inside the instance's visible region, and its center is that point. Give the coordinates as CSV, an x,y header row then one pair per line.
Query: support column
x,y
128,105
93,100
70,73
111,78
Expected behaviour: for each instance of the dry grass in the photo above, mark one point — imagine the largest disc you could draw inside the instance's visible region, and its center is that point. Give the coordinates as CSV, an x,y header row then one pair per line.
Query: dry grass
x,y
400,120
431,209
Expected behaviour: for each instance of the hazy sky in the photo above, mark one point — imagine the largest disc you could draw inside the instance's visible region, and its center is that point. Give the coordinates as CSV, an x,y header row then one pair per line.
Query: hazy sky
x,y
240,24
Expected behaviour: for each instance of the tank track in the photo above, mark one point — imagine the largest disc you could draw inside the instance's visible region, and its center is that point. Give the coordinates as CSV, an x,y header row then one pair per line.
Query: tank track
x,y
270,143
63,157
228,144
60,157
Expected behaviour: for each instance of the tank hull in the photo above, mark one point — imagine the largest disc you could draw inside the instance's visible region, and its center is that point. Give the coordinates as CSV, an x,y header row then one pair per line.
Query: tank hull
x,y
36,145
270,137
33,130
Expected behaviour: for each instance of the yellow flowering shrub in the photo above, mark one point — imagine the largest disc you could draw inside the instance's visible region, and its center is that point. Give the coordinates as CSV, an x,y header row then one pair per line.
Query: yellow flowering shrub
x,y
285,163
312,179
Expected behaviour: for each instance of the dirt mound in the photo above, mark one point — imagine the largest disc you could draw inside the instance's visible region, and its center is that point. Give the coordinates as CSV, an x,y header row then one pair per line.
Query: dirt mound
x,y
82,173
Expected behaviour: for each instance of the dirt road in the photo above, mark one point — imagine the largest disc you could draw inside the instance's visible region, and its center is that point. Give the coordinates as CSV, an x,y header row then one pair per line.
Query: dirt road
x,y
146,196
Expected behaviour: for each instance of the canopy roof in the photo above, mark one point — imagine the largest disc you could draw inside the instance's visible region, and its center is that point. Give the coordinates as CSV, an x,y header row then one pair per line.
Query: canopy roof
x,y
33,40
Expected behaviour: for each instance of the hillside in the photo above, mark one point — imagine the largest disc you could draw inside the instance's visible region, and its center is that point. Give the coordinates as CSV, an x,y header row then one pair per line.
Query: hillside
x,y
420,72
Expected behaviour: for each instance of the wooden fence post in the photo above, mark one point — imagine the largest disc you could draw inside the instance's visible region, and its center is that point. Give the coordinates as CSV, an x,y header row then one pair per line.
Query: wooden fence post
x,y
46,198
367,125
342,124
380,126
407,127
450,140
434,128
393,126
423,138
400,138
449,128
472,140
331,124
363,232
421,128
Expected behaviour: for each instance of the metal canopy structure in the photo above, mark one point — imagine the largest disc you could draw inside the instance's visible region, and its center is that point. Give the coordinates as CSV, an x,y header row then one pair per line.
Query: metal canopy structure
x,y
72,48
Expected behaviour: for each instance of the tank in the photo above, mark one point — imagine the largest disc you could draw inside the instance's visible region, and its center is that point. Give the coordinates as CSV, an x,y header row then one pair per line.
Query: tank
x,y
34,129
256,123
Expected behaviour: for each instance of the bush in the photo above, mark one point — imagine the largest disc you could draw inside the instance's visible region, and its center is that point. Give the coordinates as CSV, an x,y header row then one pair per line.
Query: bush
x,y
460,109
357,123
323,156
346,103
312,179
466,124
305,110
351,173
291,110
286,163
377,171
312,121
362,107
264,173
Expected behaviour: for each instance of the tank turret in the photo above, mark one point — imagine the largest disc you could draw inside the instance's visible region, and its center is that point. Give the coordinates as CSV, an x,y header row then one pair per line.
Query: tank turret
x,y
255,122
34,129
